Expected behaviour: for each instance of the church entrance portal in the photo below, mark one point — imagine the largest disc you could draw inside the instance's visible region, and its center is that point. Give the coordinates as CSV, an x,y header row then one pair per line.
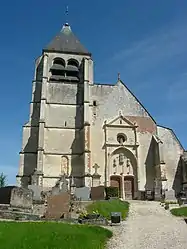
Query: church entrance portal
x,y
123,172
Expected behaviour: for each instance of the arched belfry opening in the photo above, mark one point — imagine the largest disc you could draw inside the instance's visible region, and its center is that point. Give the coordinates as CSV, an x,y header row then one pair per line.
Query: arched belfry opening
x,y
58,70
123,172
65,71
72,70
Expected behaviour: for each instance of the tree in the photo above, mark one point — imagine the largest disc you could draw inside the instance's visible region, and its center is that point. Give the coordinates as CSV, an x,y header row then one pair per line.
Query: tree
x,y
2,180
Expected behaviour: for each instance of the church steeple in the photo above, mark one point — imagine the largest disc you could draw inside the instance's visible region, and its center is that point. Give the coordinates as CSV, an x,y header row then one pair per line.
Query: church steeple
x,y
66,42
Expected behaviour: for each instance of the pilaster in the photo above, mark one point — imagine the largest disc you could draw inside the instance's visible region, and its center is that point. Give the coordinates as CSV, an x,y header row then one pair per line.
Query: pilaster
x,y
87,152
122,187
106,157
40,156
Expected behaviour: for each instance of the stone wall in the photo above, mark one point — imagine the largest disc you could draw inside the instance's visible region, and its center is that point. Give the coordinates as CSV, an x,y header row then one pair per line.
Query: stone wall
x,y
172,152
110,101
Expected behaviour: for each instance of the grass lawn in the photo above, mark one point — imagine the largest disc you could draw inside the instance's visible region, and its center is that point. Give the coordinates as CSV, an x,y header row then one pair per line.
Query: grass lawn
x,y
182,211
106,207
51,235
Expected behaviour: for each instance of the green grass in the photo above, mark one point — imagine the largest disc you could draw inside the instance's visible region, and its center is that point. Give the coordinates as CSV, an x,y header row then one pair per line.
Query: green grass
x,y
106,207
51,235
182,211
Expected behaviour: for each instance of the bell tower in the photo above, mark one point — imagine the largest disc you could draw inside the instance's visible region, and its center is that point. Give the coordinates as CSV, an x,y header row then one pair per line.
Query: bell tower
x,y
56,138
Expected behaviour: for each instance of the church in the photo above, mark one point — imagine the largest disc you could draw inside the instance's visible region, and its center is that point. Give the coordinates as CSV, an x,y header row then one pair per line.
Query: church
x,y
97,134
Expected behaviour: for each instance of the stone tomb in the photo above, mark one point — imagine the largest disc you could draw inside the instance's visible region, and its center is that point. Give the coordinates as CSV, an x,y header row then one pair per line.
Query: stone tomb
x,y
98,193
37,192
21,198
58,206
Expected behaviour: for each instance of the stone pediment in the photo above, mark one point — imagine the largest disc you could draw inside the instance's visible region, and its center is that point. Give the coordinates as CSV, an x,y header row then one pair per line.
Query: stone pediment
x,y
121,121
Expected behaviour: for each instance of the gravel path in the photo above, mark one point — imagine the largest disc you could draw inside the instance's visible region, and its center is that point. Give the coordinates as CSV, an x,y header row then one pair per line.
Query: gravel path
x,y
149,226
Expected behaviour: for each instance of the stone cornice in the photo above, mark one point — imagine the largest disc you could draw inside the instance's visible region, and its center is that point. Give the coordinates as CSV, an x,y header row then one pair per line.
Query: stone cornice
x,y
117,145
120,126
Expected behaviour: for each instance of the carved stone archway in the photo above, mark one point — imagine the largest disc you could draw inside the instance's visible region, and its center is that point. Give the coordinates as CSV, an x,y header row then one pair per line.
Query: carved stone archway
x,y
123,163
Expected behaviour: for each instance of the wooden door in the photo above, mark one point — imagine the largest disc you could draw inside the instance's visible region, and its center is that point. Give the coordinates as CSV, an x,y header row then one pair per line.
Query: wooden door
x,y
128,188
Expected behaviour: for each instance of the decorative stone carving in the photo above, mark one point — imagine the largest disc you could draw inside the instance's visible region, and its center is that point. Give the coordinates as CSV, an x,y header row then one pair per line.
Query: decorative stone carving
x,y
163,172
96,167
114,163
121,158
128,164
96,177
37,178
64,165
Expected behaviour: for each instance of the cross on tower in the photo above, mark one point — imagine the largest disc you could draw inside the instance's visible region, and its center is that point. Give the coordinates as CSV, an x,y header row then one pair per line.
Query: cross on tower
x,y
119,76
96,167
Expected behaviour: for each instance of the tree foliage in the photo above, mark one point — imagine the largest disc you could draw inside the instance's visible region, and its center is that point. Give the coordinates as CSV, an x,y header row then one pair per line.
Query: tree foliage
x,y
2,180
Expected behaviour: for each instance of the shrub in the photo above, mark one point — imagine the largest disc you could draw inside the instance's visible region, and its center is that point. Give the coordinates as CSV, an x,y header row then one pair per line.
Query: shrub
x,y
106,207
182,211
111,192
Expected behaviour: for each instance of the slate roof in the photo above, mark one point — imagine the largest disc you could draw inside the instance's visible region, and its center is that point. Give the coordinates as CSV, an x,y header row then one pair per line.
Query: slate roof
x,y
66,42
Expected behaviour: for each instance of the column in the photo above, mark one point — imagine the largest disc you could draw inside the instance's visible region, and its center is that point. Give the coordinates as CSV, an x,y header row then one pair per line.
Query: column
x,y
122,187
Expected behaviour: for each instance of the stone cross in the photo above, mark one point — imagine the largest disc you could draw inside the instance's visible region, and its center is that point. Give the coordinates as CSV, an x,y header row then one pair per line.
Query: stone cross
x,y
119,76
96,167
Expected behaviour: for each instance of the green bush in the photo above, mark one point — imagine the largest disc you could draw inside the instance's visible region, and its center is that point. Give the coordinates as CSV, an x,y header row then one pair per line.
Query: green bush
x,y
106,207
182,211
112,192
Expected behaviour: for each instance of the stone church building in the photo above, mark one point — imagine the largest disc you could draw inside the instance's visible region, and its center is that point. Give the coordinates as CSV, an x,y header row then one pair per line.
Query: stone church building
x,y
98,134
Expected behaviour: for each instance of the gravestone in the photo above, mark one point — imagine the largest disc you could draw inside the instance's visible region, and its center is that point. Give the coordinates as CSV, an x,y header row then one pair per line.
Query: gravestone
x,y
96,177
61,186
98,193
21,198
170,195
58,206
37,190
82,193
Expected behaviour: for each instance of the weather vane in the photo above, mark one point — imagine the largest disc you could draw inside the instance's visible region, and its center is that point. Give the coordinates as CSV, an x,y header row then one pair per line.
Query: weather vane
x,y
67,12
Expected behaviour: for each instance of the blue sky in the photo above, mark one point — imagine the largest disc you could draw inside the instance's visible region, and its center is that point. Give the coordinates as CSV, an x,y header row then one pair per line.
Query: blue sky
x,y
146,41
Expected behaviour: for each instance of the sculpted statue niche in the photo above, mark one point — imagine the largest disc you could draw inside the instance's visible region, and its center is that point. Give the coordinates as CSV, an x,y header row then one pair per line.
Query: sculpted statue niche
x,y
121,158
128,164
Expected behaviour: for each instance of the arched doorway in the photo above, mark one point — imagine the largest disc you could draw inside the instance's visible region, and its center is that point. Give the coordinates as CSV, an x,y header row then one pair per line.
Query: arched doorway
x,y
116,181
123,168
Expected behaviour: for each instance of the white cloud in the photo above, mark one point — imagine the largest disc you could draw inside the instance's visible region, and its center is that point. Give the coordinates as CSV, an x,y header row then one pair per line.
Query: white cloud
x,y
10,172
156,69
167,45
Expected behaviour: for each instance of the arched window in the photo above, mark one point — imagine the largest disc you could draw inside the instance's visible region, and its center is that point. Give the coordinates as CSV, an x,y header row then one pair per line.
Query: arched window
x,y
73,62
59,61
72,70
58,70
